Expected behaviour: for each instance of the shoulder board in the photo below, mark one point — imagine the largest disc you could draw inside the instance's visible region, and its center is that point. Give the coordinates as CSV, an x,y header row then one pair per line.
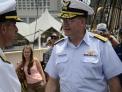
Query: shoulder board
x,y
100,37
4,60
60,40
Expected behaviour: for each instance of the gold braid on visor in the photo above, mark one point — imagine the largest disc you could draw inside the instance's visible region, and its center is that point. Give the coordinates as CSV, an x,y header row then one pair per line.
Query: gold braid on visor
x,y
65,14
13,17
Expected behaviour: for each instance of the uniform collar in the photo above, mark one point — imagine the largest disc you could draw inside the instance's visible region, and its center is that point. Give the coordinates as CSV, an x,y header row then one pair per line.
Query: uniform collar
x,y
1,52
87,36
3,57
85,39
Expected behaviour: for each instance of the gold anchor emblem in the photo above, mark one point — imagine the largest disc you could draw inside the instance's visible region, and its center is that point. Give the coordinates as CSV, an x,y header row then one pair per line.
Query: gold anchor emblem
x,y
65,5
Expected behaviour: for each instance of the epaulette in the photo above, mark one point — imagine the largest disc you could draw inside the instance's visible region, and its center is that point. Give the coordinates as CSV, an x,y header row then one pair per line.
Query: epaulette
x,y
100,37
60,40
4,60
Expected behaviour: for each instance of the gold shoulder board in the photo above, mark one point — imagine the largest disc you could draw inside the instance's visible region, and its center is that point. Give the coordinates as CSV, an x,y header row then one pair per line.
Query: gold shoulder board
x,y
60,40
100,37
4,60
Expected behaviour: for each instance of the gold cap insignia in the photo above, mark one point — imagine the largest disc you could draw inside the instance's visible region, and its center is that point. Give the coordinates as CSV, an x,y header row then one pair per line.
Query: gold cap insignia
x,y
66,5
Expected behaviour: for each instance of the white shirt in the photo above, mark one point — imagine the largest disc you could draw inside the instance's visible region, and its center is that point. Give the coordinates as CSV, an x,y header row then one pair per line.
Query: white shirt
x,y
83,68
8,79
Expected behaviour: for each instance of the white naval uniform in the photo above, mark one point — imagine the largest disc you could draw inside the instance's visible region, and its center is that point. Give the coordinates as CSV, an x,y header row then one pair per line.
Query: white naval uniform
x,y
8,79
86,67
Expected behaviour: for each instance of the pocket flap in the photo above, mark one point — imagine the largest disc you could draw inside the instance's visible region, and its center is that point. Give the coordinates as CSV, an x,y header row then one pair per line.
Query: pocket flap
x,y
61,58
90,59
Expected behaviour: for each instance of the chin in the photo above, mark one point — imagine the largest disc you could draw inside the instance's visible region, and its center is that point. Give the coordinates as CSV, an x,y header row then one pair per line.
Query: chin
x,y
8,44
67,34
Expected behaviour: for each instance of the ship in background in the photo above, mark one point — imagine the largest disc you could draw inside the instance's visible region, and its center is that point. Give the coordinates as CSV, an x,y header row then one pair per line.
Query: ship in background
x,y
109,12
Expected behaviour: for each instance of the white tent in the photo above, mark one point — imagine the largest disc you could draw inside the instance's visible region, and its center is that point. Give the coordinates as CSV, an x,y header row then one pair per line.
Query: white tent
x,y
45,22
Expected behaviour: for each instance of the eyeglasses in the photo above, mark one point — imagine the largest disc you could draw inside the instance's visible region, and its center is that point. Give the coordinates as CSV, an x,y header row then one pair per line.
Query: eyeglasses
x,y
54,37
102,30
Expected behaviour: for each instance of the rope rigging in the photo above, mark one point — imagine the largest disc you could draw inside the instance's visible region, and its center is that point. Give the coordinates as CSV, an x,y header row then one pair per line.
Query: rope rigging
x,y
109,12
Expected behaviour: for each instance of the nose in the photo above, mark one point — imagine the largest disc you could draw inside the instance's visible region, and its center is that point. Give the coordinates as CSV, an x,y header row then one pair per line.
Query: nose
x,y
65,21
16,29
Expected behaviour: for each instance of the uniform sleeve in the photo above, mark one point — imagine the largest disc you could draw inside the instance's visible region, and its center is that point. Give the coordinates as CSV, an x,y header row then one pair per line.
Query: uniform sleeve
x,y
51,65
112,65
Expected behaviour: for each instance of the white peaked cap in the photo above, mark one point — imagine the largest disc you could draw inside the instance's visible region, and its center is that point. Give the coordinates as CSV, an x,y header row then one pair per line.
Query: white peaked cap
x,y
8,11
72,8
7,6
81,4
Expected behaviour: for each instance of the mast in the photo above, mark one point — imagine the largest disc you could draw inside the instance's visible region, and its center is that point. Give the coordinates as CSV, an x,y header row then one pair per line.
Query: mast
x,y
109,12
103,10
95,15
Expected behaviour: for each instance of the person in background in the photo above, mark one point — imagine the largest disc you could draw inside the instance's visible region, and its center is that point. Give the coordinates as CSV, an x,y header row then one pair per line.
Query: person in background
x,y
33,71
50,43
54,38
103,31
82,61
8,17
118,50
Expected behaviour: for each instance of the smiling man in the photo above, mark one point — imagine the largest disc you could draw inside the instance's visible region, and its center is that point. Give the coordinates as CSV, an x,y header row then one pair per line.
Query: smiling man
x,y
83,61
8,17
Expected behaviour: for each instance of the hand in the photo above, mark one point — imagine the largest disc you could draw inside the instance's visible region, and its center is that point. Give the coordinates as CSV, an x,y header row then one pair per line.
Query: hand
x,y
43,83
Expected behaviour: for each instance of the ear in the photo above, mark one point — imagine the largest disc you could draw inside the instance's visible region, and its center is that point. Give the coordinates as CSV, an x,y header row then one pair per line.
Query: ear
x,y
3,29
3,32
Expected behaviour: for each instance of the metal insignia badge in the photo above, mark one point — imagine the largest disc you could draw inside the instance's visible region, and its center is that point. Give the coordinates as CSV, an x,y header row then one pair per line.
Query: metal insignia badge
x,y
90,52
65,5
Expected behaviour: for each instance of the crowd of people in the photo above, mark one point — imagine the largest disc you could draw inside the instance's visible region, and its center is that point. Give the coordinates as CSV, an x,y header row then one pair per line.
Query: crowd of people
x,y
82,61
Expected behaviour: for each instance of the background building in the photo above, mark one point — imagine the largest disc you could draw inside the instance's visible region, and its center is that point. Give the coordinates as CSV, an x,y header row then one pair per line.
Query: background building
x,y
107,11
29,10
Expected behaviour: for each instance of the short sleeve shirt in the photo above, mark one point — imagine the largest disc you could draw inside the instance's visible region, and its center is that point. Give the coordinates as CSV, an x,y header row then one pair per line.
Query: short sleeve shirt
x,y
84,68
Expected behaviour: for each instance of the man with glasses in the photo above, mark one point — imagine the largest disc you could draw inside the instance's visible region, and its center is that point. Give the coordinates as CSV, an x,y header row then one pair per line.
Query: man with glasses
x,y
83,61
103,31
